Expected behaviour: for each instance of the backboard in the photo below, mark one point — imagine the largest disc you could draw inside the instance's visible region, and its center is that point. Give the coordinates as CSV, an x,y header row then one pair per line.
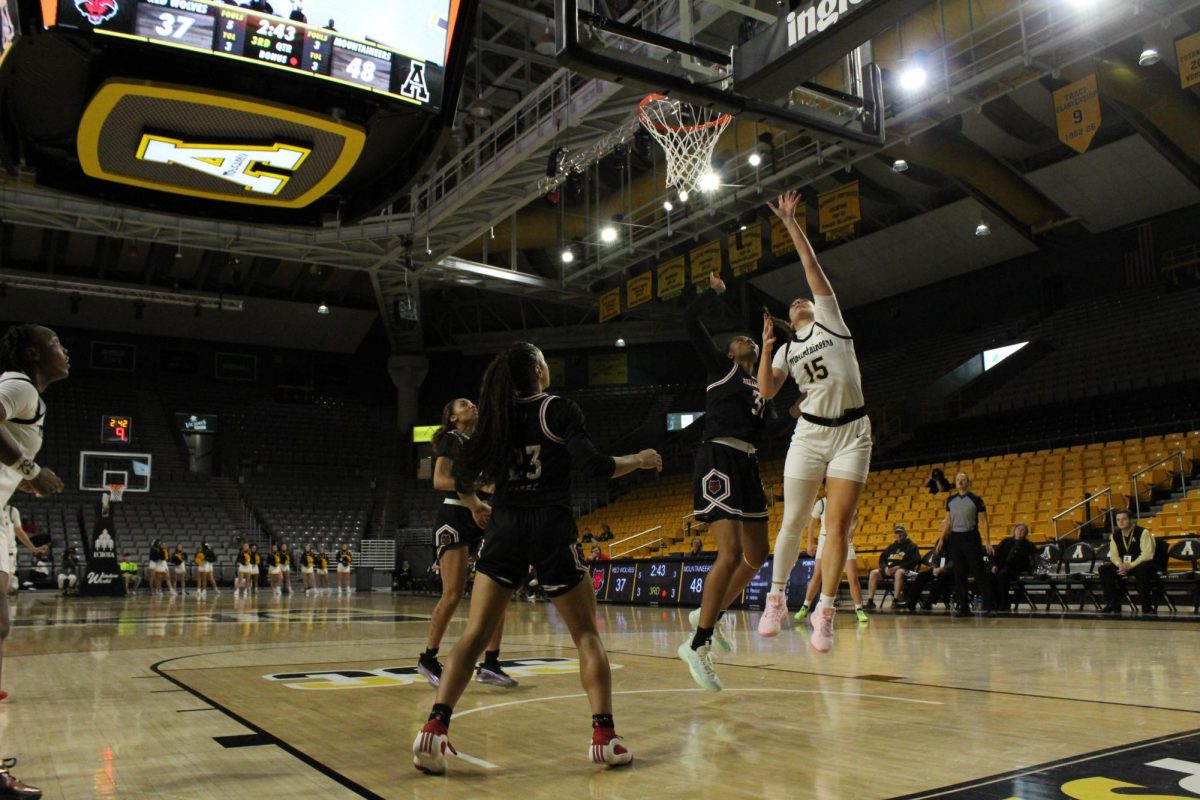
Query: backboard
x,y
98,469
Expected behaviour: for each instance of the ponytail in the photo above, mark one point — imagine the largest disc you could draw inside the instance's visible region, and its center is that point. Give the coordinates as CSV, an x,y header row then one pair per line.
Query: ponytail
x,y
13,346
446,426
489,454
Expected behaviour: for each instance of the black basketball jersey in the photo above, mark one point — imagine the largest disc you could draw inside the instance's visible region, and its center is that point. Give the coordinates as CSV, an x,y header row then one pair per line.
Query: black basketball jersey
x,y
551,437
449,446
733,406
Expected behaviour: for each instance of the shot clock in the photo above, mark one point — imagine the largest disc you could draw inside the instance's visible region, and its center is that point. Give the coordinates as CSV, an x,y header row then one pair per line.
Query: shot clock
x,y
116,429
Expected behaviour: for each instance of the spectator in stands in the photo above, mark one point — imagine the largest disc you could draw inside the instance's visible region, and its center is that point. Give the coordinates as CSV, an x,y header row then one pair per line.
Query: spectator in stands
x,y
937,483
588,536
297,14
42,574
129,574
697,547
966,518
940,574
598,555
403,575
68,571
606,534
900,557
1015,556
1130,552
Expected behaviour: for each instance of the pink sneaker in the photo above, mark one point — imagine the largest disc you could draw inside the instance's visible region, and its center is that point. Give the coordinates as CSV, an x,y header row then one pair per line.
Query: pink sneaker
x,y
822,629
772,616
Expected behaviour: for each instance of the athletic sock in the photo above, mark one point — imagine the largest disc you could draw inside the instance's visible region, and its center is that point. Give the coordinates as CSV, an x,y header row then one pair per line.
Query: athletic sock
x,y
441,712
858,607
703,636
491,658
826,602
603,721
778,586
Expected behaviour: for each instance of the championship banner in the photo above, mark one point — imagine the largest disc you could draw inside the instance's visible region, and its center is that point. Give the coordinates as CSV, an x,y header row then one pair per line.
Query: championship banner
x,y
781,240
608,370
610,304
670,278
1187,50
103,575
705,260
838,210
744,259
1077,113
639,290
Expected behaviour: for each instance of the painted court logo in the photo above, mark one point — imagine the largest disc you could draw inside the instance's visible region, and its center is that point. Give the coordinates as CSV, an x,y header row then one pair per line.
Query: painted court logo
x,y
403,676
97,11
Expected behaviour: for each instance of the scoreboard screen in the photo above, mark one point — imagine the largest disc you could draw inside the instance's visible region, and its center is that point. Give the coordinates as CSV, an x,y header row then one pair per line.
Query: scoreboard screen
x,y
621,578
600,579
399,51
694,574
116,429
756,591
657,582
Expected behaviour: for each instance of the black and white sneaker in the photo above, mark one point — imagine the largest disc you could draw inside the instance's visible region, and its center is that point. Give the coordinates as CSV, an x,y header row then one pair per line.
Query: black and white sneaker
x,y
431,669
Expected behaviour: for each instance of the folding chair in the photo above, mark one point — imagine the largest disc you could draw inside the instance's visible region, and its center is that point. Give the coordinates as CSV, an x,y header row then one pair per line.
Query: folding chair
x,y
1079,567
1186,550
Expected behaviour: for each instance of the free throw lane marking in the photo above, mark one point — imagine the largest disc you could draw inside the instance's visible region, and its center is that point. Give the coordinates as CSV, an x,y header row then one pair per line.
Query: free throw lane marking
x,y
479,762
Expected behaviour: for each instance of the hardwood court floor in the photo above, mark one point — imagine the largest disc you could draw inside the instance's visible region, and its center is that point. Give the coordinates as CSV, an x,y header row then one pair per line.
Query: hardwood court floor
x,y
189,698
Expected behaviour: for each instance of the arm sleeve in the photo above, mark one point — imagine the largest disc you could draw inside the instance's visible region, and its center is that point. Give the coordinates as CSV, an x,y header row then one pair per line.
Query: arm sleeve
x,y
701,339
1147,545
584,455
827,312
18,399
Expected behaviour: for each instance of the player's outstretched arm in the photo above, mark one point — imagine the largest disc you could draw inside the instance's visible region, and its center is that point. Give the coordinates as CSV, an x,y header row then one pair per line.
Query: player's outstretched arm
x,y
647,459
785,208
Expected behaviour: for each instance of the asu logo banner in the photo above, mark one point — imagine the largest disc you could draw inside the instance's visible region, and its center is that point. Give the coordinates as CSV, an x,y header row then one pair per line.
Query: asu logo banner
x,y
264,155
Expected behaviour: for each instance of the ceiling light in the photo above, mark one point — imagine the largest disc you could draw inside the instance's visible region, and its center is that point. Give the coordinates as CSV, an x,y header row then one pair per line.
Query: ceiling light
x,y
567,256
982,229
322,309
899,165
178,253
620,342
710,181
608,234
913,78
683,195
755,159
743,227
1149,57
668,205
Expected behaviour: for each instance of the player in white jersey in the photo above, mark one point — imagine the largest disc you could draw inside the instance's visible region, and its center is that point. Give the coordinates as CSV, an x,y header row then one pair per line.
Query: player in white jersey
x,y
31,358
810,594
832,441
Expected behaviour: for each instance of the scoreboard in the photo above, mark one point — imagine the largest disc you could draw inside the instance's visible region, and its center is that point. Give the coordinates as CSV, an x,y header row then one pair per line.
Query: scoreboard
x,y
234,31
659,581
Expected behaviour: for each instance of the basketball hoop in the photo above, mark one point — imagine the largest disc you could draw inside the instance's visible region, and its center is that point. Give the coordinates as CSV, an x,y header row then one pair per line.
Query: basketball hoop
x,y
115,490
688,134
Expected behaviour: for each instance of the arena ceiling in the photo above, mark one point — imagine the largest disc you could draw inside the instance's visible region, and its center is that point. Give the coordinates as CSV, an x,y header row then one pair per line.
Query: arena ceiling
x,y
475,249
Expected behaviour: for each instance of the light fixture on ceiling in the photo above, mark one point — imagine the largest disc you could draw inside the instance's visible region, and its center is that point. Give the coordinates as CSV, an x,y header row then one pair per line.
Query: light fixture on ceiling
x,y
322,309
620,342
668,205
755,159
1149,57
683,195
914,75
899,165
178,253
709,182
567,255
608,234
982,229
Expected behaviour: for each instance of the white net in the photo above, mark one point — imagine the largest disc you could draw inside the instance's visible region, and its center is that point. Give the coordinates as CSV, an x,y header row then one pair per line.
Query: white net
x,y
688,134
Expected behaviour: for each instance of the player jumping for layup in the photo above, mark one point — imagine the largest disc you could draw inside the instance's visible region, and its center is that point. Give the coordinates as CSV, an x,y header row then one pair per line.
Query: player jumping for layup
x,y
726,486
455,539
525,444
832,438
31,358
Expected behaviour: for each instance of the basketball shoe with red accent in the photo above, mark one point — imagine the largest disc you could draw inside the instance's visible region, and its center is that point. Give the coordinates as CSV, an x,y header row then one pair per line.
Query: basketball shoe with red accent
x,y
430,746
608,748
822,629
772,616
3,695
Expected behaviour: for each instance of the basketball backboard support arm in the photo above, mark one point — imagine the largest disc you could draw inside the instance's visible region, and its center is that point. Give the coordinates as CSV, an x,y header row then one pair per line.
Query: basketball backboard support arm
x,y
866,128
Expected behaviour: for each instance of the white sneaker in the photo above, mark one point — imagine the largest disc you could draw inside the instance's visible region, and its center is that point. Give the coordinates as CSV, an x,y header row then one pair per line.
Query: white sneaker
x,y
821,621
608,748
429,748
772,616
719,639
700,663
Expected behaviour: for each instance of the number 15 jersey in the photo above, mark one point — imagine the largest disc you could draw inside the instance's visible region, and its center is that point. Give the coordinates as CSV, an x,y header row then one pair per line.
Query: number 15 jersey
x,y
820,358
550,436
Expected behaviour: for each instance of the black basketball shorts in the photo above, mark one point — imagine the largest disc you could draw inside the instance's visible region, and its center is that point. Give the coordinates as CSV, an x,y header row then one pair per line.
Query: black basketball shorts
x,y
726,485
544,538
455,527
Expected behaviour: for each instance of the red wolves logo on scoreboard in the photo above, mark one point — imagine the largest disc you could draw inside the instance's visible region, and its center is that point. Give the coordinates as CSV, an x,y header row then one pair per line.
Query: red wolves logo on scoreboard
x,y
97,11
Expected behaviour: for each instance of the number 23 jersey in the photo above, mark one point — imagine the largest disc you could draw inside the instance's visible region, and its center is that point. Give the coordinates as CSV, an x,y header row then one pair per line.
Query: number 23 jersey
x,y
551,437
820,358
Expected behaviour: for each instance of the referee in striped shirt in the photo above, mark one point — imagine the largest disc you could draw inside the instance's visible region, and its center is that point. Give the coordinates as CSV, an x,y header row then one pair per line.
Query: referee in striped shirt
x,y
966,515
